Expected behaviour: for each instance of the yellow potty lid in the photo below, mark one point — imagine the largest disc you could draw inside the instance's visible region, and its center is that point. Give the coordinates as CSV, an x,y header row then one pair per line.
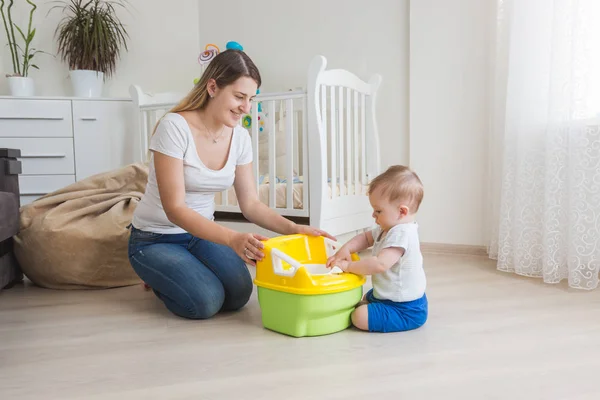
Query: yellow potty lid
x,y
296,264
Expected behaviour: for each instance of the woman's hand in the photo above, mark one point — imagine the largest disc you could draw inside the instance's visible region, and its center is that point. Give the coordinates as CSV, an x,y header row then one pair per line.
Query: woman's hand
x,y
307,230
248,246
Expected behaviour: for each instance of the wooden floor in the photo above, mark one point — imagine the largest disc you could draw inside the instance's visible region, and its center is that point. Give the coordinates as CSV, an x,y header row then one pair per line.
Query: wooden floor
x,y
489,336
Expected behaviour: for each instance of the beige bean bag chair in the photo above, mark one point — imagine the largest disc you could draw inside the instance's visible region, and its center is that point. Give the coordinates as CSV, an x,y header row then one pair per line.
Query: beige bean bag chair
x,y
76,237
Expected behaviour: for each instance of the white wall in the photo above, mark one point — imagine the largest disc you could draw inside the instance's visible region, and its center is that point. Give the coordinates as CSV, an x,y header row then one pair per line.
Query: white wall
x,y
449,64
282,37
163,49
448,41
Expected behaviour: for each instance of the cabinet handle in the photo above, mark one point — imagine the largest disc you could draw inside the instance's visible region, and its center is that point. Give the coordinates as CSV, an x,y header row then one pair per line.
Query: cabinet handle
x,y
43,156
34,118
88,118
32,194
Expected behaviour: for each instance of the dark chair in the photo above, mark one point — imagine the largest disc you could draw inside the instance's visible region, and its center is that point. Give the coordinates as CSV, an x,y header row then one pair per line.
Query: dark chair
x,y
10,168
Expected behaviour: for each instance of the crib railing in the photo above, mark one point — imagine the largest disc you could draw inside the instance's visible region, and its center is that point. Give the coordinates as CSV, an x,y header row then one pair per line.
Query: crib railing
x,y
343,117
282,180
279,145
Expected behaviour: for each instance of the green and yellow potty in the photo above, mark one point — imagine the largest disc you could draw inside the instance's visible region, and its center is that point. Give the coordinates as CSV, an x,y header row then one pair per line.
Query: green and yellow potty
x,y
298,295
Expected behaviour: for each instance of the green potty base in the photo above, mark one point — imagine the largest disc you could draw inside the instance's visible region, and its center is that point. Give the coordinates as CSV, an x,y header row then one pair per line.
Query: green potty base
x,y
307,315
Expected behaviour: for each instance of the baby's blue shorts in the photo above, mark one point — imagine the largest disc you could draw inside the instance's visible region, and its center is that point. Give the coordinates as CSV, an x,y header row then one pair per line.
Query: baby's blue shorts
x,y
390,316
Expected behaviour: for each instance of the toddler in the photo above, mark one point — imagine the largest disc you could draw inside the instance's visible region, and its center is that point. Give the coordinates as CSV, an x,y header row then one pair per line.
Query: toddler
x,y
397,301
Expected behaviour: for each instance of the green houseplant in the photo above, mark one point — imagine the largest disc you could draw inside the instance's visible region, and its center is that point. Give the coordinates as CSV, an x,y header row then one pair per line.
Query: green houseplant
x,y
90,39
20,83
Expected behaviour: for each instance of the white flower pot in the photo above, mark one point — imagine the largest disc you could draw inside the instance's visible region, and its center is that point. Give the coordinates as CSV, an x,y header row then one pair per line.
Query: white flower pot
x,y
20,86
87,83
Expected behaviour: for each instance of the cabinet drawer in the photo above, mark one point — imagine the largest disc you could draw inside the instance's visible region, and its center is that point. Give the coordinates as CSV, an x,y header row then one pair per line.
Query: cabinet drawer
x,y
33,187
43,156
104,136
35,118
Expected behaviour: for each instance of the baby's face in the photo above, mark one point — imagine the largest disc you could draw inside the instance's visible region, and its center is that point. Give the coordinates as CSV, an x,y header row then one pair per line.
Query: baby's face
x,y
385,213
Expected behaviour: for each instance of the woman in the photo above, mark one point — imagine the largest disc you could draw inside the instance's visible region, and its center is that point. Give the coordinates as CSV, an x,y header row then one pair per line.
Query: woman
x,y
195,266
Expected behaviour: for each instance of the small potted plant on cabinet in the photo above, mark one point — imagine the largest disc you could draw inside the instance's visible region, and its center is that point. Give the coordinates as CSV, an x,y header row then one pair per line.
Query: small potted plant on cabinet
x,y
90,39
19,82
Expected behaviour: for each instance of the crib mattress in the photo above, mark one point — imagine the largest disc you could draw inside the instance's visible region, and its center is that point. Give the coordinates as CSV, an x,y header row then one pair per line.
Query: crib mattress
x,y
281,194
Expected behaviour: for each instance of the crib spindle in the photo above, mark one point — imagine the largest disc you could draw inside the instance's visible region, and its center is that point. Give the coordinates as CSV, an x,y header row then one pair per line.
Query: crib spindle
x,y
152,121
304,158
325,124
296,138
356,130
289,134
145,137
272,154
254,139
341,140
333,152
348,132
363,144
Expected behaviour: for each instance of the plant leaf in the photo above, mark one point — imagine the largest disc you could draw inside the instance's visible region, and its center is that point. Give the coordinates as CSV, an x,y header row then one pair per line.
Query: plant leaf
x,y
21,32
34,66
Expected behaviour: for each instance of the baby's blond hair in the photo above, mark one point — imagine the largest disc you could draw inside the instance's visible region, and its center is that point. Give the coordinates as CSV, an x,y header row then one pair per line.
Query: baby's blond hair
x,y
399,183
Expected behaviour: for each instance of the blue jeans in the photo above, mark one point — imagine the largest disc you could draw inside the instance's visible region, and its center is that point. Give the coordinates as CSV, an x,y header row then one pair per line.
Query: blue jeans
x,y
193,277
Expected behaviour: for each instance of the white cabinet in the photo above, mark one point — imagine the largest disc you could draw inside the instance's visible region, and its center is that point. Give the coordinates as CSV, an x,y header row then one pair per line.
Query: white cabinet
x,y
103,136
63,140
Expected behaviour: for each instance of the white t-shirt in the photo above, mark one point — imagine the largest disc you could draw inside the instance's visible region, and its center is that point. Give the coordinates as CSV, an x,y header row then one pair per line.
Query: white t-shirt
x,y
173,137
405,280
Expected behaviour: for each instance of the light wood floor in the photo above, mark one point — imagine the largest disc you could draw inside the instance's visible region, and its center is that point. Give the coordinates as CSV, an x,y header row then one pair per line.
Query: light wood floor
x,y
490,336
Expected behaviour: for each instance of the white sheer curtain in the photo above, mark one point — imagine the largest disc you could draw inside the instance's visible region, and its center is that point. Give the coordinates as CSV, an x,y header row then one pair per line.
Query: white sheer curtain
x,y
545,141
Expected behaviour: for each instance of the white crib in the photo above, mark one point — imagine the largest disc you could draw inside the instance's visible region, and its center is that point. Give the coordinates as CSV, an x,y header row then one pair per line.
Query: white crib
x,y
317,152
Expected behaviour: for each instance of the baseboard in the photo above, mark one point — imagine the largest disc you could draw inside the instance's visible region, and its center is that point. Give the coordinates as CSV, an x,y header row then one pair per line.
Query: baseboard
x,y
457,249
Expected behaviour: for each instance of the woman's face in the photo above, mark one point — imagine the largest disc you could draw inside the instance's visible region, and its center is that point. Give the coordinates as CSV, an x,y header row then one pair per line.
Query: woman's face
x,y
231,102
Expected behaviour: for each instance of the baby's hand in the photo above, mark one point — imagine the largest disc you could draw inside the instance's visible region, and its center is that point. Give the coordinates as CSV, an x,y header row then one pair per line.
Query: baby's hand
x,y
343,265
333,260
341,256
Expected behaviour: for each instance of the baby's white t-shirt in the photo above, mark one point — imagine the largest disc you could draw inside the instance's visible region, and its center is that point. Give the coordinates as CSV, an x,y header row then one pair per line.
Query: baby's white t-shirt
x,y
173,137
405,280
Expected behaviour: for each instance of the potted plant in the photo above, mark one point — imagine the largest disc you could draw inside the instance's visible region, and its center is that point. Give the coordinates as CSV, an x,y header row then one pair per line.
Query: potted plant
x,y
19,82
90,39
